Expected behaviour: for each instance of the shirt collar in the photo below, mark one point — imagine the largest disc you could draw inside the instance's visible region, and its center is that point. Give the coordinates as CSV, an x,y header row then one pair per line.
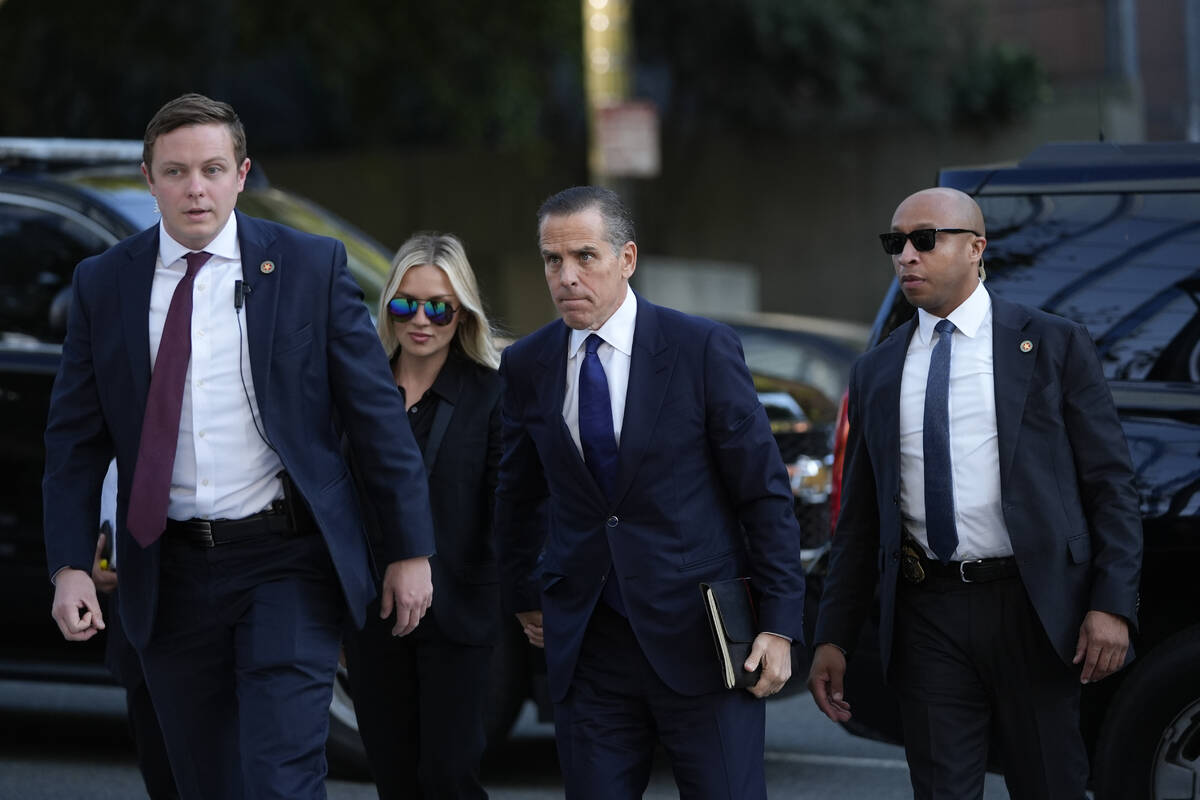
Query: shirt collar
x,y
966,318
224,245
617,329
446,384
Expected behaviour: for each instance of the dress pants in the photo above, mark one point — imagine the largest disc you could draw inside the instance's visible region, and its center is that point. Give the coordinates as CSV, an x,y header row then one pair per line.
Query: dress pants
x,y
420,702
241,664
122,660
617,708
972,664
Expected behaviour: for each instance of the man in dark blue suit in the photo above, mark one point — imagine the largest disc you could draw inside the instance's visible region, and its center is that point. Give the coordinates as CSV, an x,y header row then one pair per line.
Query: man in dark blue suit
x,y
637,464
988,491
239,536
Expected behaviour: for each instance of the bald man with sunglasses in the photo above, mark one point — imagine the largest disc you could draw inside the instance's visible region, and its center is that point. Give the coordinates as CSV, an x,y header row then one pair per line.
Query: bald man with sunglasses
x,y
988,491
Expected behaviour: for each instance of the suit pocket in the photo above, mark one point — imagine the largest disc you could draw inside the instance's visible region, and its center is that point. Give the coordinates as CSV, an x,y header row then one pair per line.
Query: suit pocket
x,y
1080,547
292,343
549,581
708,561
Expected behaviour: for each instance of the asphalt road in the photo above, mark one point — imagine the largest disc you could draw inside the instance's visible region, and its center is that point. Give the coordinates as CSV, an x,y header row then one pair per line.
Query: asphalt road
x,y
66,742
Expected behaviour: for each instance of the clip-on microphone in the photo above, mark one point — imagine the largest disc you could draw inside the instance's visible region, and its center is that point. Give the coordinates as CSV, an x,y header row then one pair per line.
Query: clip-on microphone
x,y
240,292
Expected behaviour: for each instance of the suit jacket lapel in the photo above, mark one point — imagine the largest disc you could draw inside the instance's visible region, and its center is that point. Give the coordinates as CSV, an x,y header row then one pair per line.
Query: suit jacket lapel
x,y
888,371
1012,366
448,386
551,395
650,371
256,244
134,281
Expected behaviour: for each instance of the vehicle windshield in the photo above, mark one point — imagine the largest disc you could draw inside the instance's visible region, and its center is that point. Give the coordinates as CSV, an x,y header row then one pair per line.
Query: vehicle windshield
x,y
367,260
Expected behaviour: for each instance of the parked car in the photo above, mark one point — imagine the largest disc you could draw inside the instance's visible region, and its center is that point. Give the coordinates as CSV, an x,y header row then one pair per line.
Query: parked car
x,y
1109,235
800,367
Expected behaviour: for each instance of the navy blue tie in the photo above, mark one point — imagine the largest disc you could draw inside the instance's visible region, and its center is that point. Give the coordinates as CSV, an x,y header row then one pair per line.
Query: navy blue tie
x,y
939,477
599,441
596,435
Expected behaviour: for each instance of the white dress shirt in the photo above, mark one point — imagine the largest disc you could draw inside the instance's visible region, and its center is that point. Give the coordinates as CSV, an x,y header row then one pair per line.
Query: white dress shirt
x,y
615,355
974,445
223,470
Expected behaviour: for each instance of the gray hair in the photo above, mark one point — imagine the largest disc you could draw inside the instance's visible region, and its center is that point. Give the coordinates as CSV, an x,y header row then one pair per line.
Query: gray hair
x,y
618,222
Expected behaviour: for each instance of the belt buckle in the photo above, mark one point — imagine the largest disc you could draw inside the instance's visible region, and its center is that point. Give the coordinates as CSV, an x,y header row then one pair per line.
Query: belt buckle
x,y
910,564
204,533
962,569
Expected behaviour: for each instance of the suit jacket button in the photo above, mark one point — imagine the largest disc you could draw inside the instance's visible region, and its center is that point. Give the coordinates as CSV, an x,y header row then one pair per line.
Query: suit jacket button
x,y
612,522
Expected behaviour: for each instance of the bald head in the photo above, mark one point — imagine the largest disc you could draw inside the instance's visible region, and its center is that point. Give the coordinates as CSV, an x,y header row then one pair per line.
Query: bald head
x,y
950,208
939,277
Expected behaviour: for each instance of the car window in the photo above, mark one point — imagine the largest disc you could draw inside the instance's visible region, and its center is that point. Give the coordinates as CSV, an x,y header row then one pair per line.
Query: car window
x,y
366,261
39,248
1123,265
812,368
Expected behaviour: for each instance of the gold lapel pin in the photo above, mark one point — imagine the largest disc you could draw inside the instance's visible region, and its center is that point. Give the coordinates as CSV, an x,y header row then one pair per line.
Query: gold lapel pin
x,y
266,267
1026,346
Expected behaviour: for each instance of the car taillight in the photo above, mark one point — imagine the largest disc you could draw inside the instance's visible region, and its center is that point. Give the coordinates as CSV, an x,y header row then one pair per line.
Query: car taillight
x,y
840,432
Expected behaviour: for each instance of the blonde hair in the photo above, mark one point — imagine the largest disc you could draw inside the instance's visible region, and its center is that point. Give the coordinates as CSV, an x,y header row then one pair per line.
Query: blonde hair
x,y
475,337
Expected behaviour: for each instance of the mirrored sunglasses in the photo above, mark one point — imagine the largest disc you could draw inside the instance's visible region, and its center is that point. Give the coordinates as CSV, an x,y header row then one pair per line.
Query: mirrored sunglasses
x,y
439,312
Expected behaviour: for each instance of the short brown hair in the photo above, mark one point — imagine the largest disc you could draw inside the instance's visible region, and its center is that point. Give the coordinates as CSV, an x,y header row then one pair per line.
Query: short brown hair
x,y
194,109
618,221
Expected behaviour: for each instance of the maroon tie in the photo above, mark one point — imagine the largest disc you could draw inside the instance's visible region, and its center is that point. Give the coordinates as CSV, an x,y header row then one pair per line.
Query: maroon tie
x,y
160,427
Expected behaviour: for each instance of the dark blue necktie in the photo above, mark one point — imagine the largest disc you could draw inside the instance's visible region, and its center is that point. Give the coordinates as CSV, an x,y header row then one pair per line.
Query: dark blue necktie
x,y
596,435
598,441
939,477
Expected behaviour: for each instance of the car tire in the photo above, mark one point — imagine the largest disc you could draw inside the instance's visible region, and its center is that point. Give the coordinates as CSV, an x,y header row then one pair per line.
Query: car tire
x,y
1149,742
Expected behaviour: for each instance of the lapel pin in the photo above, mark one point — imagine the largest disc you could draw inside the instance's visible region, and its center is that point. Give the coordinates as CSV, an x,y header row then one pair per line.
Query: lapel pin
x,y
1026,346
266,267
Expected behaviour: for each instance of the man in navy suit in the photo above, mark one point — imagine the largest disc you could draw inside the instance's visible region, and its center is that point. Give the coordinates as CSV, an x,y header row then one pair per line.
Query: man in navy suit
x,y
625,483
1000,522
235,592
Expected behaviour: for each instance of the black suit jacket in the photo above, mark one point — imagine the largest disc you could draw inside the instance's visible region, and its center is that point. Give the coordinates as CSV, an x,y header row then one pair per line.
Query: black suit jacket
x,y
1065,478
462,456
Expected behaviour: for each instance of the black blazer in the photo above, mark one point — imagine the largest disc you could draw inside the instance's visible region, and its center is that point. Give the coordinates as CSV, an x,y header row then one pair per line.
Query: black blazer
x,y
462,456
1065,480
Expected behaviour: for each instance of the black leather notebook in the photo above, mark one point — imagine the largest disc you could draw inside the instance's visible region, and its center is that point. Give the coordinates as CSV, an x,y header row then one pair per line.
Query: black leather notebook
x,y
734,623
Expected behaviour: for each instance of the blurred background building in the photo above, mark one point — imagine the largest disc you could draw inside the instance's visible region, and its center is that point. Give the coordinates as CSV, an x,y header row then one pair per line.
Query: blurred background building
x,y
781,133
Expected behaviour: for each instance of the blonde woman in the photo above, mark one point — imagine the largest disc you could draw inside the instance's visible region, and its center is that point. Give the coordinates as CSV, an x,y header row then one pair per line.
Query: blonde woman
x,y
420,698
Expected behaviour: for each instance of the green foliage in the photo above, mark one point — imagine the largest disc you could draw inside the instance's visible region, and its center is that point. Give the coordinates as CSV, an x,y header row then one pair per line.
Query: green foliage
x,y
301,73
387,73
999,84
783,65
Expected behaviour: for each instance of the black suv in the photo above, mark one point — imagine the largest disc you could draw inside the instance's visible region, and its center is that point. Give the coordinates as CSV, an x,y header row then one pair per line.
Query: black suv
x,y
1109,235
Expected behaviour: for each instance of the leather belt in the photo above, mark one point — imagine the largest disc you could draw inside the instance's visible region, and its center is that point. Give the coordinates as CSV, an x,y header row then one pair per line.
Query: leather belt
x,y
916,568
210,533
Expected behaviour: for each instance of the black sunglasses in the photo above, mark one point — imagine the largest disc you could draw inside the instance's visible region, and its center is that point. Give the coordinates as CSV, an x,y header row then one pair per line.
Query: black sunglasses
x,y
439,312
923,239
